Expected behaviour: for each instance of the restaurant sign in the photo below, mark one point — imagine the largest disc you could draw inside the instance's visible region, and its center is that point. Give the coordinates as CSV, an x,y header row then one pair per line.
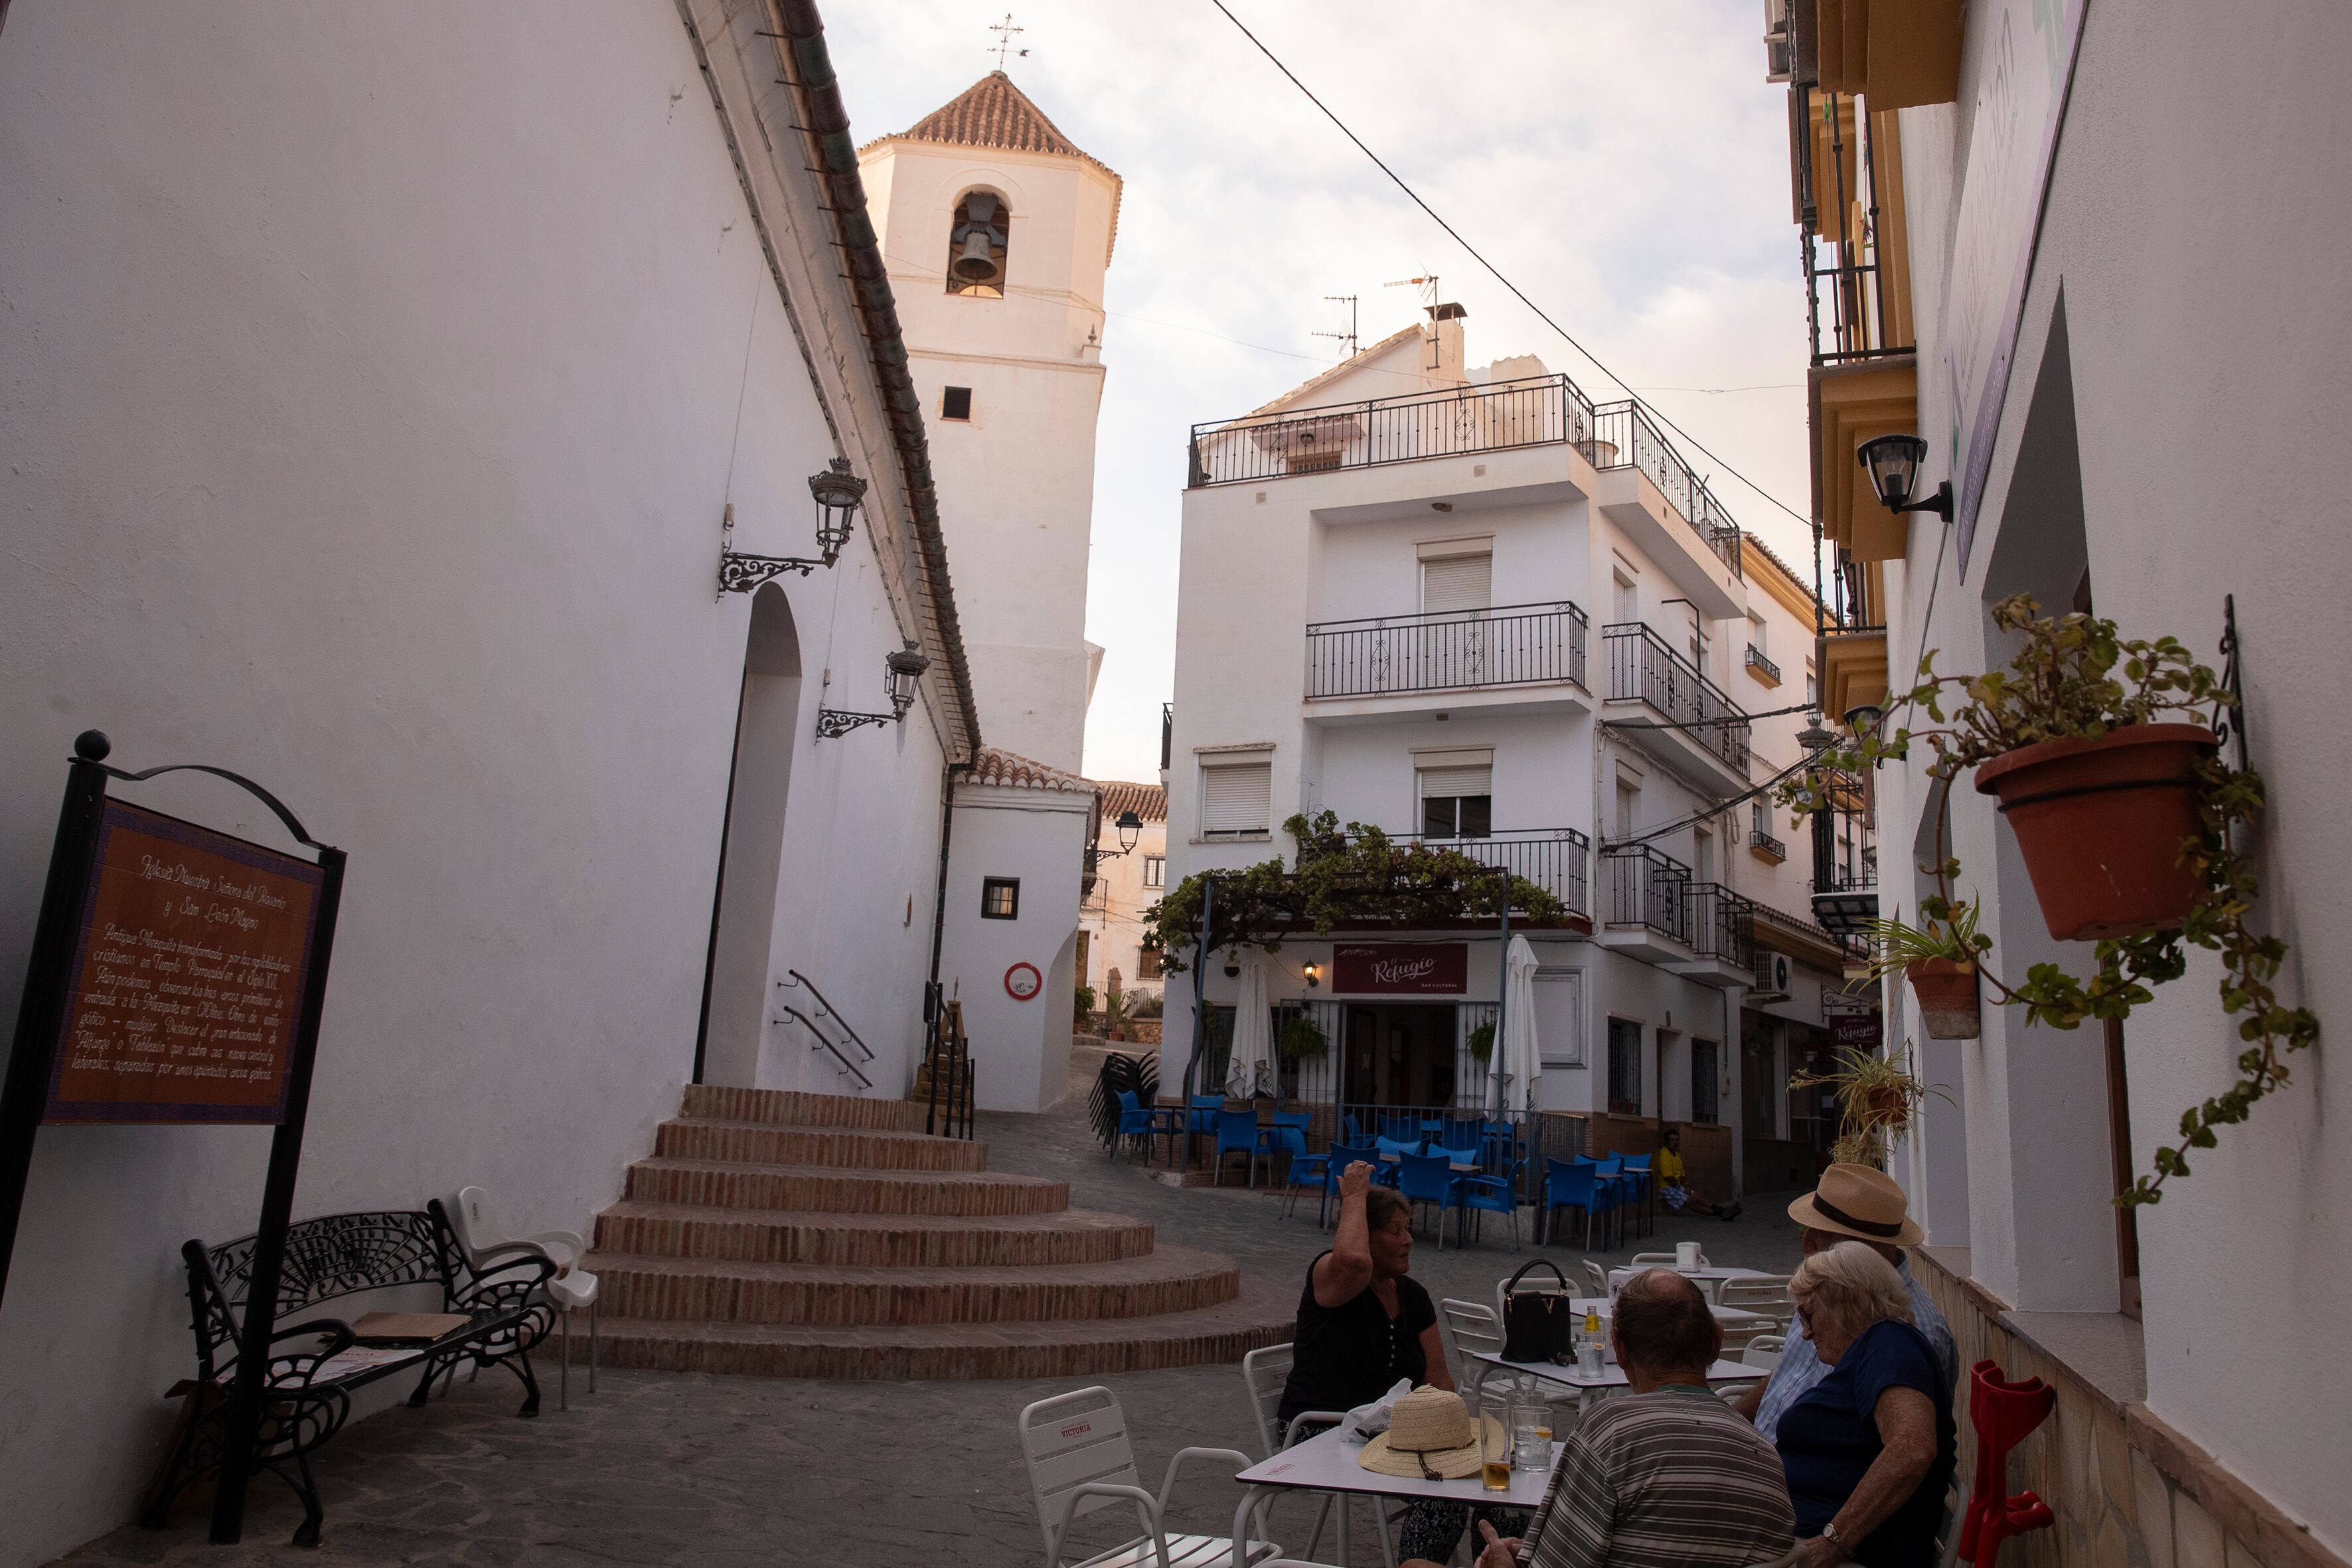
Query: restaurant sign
x,y
1401,969
1856,1031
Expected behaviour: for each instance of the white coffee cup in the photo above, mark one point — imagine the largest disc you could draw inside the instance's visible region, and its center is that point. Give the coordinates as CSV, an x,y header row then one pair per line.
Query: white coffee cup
x,y
1686,1257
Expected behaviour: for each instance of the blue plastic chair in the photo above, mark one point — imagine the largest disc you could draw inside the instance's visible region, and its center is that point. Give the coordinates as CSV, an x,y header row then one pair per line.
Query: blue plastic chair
x,y
1428,1179
1642,1189
1489,1195
1285,1134
1237,1133
1403,1128
1611,1172
1142,1121
1570,1186
1355,1129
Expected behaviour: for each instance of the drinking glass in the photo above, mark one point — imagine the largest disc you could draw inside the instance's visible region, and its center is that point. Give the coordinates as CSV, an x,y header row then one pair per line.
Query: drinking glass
x,y
1531,1442
1495,1416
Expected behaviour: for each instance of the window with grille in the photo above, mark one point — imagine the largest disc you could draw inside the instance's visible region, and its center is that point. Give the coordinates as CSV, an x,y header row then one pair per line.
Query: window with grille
x,y
1453,583
1457,794
1155,870
955,403
1624,1067
1235,798
1148,965
999,897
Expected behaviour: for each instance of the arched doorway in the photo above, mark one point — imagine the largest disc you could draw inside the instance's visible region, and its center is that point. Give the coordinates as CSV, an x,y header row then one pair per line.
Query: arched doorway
x,y
743,907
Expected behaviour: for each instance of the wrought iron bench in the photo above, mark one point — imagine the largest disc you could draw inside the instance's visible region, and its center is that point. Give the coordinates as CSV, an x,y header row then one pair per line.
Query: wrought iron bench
x,y
315,1364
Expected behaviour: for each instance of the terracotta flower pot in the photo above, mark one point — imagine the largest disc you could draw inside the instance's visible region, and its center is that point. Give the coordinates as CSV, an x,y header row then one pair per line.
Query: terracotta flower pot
x,y
1947,990
1885,1102
2102,823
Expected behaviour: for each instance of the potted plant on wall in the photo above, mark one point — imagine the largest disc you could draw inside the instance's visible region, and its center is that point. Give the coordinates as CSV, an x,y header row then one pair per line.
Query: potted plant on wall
x,y
1875,1095
1482,1043
2149,866
1302,1039
1939,957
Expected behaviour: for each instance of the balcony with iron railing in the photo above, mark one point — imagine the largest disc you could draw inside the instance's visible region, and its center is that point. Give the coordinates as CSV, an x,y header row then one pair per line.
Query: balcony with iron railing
x,y
1454,650
1722,938
1648,911
1710,744
1766,670
1492,416
1845,857
1553,858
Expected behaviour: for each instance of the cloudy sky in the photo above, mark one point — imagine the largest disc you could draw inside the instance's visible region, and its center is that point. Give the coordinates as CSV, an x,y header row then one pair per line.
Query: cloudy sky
x,y
1622,160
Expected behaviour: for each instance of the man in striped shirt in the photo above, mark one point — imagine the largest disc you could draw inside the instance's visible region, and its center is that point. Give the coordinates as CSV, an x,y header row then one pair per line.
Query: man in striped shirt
x,y
1668,1476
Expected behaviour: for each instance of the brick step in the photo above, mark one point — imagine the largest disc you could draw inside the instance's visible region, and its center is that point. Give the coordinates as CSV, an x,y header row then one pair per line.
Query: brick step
x,y
645,1229
792,1109
1262,1313
850,1148
823,1189
675,1290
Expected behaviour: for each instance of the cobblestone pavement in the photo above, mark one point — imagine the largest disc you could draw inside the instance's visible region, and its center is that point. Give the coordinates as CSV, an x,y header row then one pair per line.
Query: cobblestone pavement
x,y
659,1467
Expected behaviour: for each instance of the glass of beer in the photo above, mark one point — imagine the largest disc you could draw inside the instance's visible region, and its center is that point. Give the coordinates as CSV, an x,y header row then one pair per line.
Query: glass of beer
x,y
1495,1427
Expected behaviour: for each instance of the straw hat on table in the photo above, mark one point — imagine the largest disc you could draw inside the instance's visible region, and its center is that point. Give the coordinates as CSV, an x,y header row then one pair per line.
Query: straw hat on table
x,y
1430,1437
1860,1201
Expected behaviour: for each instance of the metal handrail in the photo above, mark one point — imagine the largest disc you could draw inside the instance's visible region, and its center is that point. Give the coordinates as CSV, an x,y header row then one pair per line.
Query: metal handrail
x,y
1527,411
1644,669
1521,853
1649,887
1757,660
846,1065
831,1012
1624,436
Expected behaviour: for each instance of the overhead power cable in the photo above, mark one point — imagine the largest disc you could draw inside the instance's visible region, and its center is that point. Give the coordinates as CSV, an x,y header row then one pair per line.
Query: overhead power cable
x,y
1521,294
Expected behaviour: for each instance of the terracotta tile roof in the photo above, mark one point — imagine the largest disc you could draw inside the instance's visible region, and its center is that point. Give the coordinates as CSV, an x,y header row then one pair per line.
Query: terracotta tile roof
x,y
992,112
1147,801
1010,770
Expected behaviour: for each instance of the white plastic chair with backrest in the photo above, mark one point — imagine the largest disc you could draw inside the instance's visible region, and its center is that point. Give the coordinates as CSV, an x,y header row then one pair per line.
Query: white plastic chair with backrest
x,y
1079,1460
1468,1327
1266,1373
1661,1260
1764,1350
483,1240
1769,1296
1597,1276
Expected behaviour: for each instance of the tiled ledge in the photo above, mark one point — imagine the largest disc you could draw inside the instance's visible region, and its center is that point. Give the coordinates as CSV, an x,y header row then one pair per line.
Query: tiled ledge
x,y
2127,1488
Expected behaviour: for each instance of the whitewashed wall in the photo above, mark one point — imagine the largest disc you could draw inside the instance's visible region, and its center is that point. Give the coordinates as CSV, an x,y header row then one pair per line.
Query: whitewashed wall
x,y
372,379
2206,408
1020,1049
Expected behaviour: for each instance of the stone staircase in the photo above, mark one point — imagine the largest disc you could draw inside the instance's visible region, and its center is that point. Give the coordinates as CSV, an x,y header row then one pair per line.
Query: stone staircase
x,y
785,1234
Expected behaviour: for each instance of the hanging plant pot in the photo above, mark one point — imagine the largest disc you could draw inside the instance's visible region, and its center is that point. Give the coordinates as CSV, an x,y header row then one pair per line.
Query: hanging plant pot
x,y
1947,990
1885,1101
2101,825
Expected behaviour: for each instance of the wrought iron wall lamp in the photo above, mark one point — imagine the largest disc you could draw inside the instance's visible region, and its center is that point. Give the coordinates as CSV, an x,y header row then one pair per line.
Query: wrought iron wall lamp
x,y
1131,829
837,491
901,671
1893,462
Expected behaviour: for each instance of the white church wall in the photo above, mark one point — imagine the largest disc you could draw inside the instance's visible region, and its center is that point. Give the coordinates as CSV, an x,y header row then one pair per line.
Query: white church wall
x,y
1020,1047
395,484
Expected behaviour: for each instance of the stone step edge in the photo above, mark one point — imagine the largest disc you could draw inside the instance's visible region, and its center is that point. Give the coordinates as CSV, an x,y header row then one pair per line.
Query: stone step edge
x,y
845,1173
851,1112
819,1219
893,1135
1161,1262
1261,1314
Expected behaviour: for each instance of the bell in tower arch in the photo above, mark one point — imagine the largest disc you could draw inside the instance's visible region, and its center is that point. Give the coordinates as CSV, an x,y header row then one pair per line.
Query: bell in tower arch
x,y
976,258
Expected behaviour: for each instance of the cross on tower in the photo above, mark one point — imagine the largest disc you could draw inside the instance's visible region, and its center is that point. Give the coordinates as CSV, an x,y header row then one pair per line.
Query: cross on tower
x,y
1004,32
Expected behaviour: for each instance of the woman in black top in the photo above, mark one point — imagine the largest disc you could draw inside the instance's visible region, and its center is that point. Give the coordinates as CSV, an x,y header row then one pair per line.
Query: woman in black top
x,y
1363,1324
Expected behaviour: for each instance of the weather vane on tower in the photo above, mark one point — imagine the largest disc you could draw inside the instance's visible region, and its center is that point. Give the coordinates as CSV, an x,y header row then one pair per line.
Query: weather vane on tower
x,y
1004,32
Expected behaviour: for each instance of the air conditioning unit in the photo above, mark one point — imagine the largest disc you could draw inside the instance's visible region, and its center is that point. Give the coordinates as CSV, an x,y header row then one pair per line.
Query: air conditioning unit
x,y
1775,977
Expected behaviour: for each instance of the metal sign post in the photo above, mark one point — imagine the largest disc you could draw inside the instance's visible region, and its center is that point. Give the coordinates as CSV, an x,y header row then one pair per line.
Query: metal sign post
x,y
177,977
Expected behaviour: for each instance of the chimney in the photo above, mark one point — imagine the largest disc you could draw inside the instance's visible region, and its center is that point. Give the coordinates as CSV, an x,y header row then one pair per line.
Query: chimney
x,y
1442,365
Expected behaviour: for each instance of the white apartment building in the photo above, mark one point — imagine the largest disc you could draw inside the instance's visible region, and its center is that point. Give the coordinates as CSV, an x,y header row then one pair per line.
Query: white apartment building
x,y
1480,612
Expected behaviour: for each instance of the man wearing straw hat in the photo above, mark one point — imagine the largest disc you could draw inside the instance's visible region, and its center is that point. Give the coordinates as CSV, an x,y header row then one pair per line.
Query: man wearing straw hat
x,y
1852,1203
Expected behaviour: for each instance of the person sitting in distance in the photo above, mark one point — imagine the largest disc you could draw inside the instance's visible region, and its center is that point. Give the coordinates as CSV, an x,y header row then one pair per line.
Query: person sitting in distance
x,y
1673,1179
1363,1324
1853,1203
1869,1450
1666,1477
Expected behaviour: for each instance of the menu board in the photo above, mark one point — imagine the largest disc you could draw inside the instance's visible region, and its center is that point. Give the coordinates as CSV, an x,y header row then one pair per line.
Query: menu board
x,y
190,962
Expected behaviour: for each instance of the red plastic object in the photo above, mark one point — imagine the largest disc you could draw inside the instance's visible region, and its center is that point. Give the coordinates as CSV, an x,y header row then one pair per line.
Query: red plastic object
x,y
2002,1413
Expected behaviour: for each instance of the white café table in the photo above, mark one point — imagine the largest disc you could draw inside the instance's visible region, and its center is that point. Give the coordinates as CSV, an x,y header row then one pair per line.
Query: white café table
x,y
1708,1280
1328,1463
1729,1316
1613,1376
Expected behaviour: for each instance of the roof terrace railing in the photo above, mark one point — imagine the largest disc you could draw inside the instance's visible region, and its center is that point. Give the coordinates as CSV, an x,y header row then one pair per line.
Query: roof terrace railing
x,y
1490,416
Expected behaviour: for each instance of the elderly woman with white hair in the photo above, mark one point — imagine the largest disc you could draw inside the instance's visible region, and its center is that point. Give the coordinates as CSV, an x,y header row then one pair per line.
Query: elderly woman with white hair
x,y
1869,1450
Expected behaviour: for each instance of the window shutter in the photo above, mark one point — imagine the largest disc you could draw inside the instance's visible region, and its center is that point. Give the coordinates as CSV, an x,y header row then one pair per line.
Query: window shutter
x,y
1235,797
1436,783
1457,583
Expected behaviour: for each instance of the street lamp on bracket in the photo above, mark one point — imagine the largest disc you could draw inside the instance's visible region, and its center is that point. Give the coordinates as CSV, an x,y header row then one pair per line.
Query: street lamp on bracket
x,y
837,493
1131,829
902,671
1893,463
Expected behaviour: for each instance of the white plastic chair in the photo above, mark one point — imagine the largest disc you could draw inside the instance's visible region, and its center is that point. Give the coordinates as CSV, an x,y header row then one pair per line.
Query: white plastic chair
x,y
1764,1350
1079,1460
1661,1260
1769,1296
1266,1373
1468,1327
1598,1277
481,1238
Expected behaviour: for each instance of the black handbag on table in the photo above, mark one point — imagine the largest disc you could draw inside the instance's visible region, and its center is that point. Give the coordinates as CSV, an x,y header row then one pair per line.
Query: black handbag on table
x,y
1538,1324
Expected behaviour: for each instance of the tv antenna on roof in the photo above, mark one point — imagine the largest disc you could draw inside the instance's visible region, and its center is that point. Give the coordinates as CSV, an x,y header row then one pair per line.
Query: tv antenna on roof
x,y
1428,286
1348,337
1004,32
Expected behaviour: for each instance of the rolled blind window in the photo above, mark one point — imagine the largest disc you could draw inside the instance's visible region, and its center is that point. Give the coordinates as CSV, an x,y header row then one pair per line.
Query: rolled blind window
x,y
1457,781
1457,583
1235,798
